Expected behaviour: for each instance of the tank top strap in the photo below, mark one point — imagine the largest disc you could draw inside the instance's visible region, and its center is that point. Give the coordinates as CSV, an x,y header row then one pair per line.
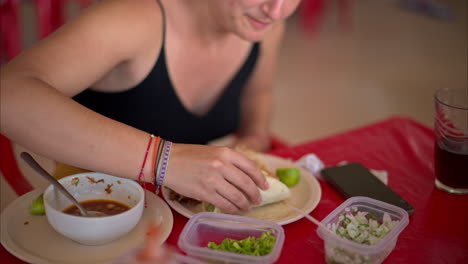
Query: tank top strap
x,y
164,23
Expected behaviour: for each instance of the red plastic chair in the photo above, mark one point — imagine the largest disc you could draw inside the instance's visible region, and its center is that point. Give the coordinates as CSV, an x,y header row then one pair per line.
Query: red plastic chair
x,y
10,33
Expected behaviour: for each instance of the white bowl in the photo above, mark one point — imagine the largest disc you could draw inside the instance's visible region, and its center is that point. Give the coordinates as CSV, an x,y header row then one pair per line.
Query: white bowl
x,y
92,186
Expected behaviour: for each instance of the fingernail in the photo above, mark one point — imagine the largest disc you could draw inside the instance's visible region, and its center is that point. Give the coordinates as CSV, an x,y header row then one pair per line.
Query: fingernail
x,y
266,185
259,201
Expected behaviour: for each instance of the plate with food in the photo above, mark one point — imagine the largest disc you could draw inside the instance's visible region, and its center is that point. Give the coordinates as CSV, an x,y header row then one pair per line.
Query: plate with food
x,y
304,192
31,238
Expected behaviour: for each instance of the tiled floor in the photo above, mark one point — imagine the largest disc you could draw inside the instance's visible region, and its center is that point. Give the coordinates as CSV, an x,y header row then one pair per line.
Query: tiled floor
x,y
389,62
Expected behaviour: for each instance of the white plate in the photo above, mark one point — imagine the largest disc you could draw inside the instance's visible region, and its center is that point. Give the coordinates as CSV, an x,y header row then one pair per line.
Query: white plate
x,y
305,195
32,239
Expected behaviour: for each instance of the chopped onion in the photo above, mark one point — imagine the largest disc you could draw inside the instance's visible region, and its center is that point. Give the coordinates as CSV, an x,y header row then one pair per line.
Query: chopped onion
x,y
362,227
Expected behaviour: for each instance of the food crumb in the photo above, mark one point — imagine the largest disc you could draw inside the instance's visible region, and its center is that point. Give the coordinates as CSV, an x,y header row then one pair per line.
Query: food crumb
x,y
119,182
92,180
75,181
109,188
26,223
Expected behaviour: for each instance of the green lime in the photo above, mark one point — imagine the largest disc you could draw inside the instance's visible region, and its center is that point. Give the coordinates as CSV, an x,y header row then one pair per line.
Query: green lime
x,y
37,206
289,176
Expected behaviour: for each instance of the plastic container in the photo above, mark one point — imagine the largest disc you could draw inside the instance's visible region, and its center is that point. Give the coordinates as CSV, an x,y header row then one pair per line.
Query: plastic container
x,y
215,227
342,250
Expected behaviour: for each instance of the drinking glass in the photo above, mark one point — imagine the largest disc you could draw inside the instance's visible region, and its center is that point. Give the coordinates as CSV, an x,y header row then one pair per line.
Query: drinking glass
x,y
451,140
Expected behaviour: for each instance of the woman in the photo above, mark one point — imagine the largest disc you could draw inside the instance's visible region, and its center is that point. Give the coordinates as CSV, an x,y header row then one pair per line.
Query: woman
x,y
189,71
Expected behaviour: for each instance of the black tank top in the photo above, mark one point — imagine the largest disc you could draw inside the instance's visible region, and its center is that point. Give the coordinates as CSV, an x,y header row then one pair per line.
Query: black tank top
x,y
153,105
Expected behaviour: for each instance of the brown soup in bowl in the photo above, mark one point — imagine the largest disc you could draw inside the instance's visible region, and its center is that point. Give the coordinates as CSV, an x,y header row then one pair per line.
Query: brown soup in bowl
x,y
108,207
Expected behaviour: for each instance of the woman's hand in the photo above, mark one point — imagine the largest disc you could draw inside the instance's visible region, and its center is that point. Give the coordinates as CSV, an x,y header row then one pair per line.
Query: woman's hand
x,y
218,175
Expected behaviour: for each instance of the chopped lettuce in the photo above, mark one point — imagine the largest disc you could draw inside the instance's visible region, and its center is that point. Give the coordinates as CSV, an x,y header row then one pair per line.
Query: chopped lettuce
x,y
250,246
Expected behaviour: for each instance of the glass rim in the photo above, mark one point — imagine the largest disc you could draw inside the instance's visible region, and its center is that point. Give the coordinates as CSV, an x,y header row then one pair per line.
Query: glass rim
x,y
437,99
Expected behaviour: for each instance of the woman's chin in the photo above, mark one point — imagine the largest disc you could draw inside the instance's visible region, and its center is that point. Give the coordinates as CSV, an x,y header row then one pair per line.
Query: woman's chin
x,y
253,36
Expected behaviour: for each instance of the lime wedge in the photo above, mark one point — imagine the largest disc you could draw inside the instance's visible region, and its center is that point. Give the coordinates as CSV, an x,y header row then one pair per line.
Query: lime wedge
x,y
37,206
288,176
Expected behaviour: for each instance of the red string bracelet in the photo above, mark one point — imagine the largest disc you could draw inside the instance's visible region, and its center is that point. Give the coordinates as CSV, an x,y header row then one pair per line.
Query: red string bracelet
x,y
141,174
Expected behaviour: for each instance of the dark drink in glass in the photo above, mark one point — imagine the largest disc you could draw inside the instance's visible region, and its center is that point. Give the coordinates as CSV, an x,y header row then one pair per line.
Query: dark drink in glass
x,y
451,140
451,167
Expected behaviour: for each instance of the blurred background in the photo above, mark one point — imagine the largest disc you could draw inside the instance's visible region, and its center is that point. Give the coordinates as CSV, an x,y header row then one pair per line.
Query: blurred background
x,y
378,59
343,64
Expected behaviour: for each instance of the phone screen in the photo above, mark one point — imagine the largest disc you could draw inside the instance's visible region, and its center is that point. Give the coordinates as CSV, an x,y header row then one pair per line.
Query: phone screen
x,y
356,180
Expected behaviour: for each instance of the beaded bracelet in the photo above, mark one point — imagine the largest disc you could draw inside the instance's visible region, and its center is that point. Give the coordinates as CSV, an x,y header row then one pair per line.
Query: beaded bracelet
x,y
165,163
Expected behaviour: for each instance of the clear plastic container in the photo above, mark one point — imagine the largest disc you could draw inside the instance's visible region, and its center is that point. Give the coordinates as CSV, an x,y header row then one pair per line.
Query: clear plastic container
x,y
215,227
342,250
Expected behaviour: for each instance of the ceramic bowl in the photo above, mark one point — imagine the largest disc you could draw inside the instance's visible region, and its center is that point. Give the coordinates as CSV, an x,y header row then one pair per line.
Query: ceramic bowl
x,y
94,186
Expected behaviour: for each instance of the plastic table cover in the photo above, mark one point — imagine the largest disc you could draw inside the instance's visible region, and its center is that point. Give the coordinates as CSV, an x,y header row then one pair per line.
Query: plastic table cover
x,y
438,229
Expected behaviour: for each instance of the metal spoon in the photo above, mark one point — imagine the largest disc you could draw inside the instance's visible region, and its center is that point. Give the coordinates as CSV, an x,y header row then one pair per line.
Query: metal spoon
x,y
35,166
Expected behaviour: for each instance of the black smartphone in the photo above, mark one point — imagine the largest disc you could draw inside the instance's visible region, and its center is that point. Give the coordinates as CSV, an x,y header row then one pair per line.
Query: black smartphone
x,y
354,179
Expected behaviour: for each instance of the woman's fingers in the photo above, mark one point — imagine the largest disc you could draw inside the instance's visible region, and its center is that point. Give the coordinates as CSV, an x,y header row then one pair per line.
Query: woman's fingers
x,y
222,194
243,184
218,175
250,168
225,204
236,196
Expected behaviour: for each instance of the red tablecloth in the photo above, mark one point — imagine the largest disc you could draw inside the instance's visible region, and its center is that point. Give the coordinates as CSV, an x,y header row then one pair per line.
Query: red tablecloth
x,y
438,229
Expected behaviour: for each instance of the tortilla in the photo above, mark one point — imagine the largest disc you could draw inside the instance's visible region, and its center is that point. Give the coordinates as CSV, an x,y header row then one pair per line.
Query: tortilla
x,y
277,191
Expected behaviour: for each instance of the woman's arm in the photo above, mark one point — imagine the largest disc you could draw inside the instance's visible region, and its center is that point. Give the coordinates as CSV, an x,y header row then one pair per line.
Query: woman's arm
x,y
36,109
37,112
257,99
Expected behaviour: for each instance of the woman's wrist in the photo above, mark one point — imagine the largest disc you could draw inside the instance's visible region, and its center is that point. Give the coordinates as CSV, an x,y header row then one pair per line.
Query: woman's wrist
x,y
155,162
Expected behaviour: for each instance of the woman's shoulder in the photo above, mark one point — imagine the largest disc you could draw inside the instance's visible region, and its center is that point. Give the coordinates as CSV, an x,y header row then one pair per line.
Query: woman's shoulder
x,y
115,36
138,15
130,22
131,28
